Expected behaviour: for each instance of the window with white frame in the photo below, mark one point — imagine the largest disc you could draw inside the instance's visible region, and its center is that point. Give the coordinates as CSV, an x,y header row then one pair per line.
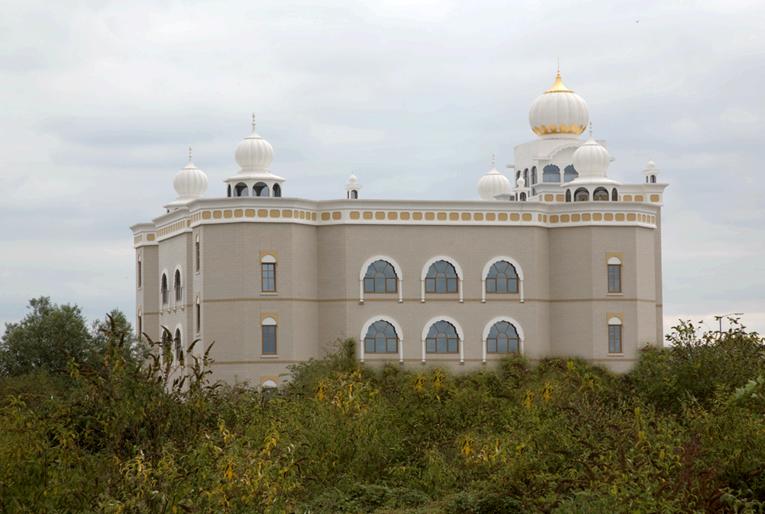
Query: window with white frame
x,y
614,275
381,337
615,335
268,274
268,333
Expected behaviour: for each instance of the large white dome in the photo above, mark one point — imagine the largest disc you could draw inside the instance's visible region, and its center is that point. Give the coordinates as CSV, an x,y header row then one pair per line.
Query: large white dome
x,y
254,153
591,159
190,182
492,184
558,112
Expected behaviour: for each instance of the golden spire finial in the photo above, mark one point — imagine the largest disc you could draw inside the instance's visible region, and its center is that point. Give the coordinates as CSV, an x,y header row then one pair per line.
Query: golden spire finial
x,y
189,153
558,86
253,122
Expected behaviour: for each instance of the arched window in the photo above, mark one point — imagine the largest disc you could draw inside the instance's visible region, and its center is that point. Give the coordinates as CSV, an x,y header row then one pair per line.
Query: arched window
x,y
163,288
600,194
261,189
228,191
581,195
503,338
653,179
551,173
502,278
523,197
568,195
442,338
533,174
197,254
277,190
198,315
614,335
614,195
268,329
177,286
241,189
353,194
139,272
380,278
441,278
268,273
614,275
381,337
569,173
526,176
178,347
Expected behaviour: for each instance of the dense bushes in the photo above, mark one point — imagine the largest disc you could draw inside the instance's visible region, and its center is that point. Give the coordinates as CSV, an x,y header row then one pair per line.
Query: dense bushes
x,y
685,431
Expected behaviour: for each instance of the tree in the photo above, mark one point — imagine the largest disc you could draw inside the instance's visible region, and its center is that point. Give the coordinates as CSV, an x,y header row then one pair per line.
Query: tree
x,y
47,339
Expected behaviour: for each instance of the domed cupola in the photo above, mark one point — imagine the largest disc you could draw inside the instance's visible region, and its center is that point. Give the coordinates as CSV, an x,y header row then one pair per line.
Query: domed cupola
x,y
591,160
493,183
558,112
190,183
254,156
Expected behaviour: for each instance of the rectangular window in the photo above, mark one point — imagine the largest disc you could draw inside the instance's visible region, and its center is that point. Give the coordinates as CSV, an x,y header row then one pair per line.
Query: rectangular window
x,y
269,339
199,316
614,278
614,339
197,256
268,276
139,273
140,326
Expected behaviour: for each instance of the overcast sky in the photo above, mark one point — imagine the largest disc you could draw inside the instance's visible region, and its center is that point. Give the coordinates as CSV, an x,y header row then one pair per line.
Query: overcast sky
x,y
101,99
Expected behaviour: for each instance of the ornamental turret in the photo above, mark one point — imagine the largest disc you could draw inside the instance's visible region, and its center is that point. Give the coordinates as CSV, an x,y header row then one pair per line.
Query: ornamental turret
x,y
254,156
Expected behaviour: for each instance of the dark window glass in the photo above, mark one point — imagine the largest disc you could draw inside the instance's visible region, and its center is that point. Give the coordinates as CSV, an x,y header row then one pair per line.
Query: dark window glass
x,y
199,316
441,278
653,179
600,195
381,337
502,278
277,190
442,338
582,195
269,339
380,278
614,278
139,273
140,328
163,289
568,195
241,190
261,189
178,346
268,276
197,255
177,286
533,174
551,173
614,338
503,338
614,195
569,173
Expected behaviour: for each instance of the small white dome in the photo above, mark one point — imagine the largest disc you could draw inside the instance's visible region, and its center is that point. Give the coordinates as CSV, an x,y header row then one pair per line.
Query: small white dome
x,y
254,153
352,183
591,159
492,184
558,112
190,182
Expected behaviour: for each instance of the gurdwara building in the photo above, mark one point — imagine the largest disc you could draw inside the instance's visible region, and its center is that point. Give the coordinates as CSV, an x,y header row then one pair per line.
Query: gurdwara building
x,y
559,261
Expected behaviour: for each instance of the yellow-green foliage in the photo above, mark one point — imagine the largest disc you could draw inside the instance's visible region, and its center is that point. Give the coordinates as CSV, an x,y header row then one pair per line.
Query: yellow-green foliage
x,y
684,432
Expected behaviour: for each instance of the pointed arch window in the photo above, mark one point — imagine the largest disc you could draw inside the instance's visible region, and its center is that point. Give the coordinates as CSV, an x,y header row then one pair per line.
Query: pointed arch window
x,y
502,278
381,337
380,278
551,174
581,195
569,173
442,338
177,286
441,278
164,289
533,174
178,347
503,338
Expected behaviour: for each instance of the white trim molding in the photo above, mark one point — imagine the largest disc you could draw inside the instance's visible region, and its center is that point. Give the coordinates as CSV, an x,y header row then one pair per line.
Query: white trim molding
x,y
614,260
457,269
396,268
518,270
457,327
491,323
396,327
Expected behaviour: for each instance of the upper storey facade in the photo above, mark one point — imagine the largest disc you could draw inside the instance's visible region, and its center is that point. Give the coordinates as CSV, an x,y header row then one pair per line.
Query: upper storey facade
x,y
562,260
